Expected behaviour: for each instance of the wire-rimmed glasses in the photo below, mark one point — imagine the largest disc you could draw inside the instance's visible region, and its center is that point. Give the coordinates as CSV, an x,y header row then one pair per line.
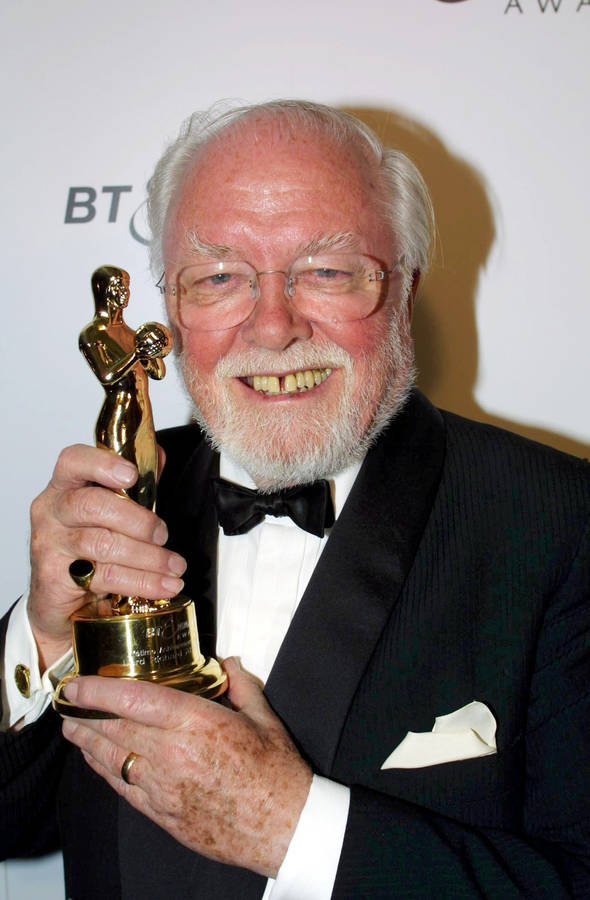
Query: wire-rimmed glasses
x,y
219,294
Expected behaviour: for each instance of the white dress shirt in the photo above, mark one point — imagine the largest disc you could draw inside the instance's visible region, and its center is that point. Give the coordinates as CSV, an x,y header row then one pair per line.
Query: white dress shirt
x,y
262,576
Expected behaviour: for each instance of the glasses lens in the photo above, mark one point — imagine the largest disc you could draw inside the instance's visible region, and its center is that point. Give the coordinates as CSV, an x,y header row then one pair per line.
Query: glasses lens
x,y
215,295
331,287
337,287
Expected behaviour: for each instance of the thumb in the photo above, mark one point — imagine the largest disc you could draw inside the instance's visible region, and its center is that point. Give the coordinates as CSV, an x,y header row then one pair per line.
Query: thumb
x,y
245,691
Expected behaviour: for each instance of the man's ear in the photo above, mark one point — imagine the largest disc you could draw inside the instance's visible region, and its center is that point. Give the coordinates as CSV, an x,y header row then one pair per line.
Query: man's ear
x,y
412,293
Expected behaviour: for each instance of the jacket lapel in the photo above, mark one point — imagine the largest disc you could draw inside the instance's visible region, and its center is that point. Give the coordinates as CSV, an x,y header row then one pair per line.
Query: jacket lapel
x,y
357,581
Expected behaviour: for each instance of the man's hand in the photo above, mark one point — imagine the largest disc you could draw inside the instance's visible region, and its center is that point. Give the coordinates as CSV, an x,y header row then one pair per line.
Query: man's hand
x,y
79,515
226,783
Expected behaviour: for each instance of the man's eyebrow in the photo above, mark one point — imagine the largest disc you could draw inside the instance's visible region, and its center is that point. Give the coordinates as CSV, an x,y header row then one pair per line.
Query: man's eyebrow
x,y
320,243
216,251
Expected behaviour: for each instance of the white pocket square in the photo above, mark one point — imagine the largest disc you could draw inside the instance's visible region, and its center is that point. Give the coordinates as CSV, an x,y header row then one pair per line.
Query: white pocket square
x,y
464,734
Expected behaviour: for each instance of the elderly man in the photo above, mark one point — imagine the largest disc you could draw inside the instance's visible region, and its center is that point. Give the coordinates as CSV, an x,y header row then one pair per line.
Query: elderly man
x,y
448,581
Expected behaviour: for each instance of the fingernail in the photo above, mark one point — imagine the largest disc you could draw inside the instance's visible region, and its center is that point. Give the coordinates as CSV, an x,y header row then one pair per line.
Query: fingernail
x,y
125,472
172,585
176,564
71,691
160,533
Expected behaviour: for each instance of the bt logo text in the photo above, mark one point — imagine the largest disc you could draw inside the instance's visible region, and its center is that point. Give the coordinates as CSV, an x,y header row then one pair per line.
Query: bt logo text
x,y
81,202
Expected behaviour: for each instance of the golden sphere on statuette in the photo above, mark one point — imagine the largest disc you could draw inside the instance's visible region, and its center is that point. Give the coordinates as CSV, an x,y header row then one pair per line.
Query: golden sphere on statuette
x,y
117,636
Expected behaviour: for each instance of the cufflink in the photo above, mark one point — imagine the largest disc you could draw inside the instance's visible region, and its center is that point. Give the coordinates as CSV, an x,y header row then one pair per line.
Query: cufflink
x,y
22,679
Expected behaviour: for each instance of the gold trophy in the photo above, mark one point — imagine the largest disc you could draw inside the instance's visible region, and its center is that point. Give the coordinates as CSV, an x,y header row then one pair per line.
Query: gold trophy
x,y
131,637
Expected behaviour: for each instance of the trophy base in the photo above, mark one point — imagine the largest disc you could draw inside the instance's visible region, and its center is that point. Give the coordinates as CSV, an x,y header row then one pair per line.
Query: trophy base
x,y
161,647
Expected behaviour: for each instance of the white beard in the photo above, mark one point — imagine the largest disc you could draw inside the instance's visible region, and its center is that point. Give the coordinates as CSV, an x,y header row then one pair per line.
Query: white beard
x,y
279,447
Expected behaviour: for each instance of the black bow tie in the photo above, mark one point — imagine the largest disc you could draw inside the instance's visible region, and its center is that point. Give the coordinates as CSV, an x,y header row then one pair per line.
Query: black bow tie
x,y
239,509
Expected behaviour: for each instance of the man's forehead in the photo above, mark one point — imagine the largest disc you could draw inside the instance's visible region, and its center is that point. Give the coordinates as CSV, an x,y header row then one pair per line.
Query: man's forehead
x,y
272,142
260,180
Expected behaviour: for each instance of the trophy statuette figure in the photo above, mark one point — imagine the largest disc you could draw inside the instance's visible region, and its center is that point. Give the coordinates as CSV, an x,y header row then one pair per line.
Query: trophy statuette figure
x,y
116,636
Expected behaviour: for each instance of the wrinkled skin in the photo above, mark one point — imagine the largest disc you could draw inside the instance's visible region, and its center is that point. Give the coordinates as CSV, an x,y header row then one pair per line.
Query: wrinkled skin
x,y
226,783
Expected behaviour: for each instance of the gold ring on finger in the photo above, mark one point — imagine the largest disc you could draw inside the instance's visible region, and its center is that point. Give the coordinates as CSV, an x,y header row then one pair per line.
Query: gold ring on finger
x,y
126,767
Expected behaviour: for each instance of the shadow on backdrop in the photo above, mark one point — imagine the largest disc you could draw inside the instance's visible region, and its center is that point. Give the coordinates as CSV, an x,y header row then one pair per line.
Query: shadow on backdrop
x,y
444,324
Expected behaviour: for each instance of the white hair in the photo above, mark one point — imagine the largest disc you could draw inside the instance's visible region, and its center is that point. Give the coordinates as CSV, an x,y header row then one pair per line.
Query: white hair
x,y
407,203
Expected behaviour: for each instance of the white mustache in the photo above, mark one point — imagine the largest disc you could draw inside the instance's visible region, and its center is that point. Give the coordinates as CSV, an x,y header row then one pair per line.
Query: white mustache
x,y
294,359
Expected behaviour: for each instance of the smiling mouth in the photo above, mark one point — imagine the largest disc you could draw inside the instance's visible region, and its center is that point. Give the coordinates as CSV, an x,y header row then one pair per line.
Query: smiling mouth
x,y
292,383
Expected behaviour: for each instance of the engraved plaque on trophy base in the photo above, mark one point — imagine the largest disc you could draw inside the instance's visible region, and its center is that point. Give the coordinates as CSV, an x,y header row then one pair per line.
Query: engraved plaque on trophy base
x,y
159,646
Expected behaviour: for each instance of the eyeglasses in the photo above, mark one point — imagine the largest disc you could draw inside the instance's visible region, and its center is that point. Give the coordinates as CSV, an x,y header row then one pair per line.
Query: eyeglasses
x,y
220,294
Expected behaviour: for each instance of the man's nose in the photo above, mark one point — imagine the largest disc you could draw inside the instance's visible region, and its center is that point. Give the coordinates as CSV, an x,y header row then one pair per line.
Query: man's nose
x,y
274,322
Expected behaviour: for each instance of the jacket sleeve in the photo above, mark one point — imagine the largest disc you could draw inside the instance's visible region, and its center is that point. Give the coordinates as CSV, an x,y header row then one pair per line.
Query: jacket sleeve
x,y
31,761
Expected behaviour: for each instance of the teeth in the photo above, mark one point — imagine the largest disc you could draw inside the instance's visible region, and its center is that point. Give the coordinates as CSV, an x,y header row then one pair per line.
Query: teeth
x,y
289,384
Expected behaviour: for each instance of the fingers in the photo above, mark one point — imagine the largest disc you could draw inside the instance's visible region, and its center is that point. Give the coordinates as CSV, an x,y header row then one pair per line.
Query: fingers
x,y
139,702
106,743
72,498
150,717
80,464
80,515
124,539
154,705
151,584
86,519
108,758
76,496
104,545
88,506
143,704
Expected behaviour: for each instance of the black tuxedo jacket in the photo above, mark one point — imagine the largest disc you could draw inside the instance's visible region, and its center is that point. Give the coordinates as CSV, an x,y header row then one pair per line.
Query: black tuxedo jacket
x,y
458,570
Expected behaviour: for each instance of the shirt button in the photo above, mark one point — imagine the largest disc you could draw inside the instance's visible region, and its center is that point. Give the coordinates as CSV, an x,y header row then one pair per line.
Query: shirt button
x,y
22,678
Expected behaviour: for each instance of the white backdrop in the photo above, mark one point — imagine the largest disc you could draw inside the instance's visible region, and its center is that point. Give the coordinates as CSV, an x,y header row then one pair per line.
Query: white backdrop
x,y
489,97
